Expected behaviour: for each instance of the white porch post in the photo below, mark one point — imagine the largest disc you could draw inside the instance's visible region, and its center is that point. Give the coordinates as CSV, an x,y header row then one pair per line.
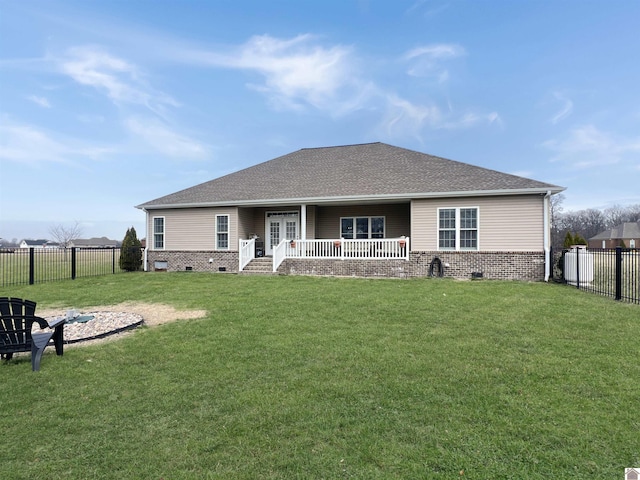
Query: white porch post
x,y
303,222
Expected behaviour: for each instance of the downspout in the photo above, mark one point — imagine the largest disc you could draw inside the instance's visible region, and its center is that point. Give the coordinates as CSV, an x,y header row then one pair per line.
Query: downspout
x,y
145,266
547,236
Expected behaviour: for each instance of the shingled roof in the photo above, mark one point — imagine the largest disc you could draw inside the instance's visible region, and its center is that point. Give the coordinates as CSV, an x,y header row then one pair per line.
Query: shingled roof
x,y
366,172
624,231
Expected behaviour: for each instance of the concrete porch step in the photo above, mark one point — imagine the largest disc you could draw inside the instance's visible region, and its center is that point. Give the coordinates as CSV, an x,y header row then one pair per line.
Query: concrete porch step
x,y
260,265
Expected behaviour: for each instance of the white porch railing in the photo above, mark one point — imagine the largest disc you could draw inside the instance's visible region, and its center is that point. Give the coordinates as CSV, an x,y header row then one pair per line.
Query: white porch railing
x,y
360,249
279,254
247,252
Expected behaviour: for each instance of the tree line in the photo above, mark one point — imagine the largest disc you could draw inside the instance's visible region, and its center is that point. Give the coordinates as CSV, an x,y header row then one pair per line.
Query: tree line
x,y
589,222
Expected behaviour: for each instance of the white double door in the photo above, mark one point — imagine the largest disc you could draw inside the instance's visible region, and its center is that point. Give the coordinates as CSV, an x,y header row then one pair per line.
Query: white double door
x,y
281,225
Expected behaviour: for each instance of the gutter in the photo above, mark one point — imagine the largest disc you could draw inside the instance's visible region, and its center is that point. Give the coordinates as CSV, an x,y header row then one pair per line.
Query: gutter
x,y
352,198
145,263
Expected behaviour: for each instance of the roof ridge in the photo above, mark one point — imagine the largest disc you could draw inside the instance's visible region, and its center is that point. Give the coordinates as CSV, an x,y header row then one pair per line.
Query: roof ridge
x,y
341,146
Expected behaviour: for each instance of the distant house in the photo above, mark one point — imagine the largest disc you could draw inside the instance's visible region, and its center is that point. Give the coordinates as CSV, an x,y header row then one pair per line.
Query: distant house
x,y
366,210
627,234
28,243
102,242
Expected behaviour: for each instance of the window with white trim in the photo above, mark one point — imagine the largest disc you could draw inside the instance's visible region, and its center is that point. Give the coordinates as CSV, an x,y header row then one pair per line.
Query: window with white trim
x,y
158,233
362,227
458,228
222,232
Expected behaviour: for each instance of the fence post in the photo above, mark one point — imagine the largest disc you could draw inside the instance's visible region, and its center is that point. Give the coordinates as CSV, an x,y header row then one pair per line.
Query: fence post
x,y
578,268
113,261
73,263
618,273
31,265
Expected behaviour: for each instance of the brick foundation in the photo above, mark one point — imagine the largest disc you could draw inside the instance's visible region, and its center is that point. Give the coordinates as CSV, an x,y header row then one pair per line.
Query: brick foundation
x,y
528,266
461,265
198,261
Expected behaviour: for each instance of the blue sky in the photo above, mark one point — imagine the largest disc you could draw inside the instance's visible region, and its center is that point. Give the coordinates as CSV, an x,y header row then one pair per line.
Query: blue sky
x,y
105,105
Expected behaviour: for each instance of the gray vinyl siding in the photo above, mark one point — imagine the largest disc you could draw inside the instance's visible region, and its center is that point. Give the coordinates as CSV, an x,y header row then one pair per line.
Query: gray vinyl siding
x,y
246,224
193,228
396,218
255,222
505,223
311,221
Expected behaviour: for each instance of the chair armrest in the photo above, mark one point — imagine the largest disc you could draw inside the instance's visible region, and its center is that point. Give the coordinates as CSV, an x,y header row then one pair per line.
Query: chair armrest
x,y
57,322
39,320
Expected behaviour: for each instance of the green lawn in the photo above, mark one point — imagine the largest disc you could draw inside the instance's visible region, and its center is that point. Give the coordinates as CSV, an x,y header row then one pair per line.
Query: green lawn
x,y
301,377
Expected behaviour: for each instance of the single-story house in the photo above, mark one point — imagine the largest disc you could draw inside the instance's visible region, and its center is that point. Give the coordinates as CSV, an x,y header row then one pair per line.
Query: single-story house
x,y
28,243
357,210
627,234
102,242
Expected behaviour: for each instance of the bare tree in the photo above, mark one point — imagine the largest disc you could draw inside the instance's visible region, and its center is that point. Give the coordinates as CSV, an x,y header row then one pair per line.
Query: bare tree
x,y
586,223
593,222
615,215
64,234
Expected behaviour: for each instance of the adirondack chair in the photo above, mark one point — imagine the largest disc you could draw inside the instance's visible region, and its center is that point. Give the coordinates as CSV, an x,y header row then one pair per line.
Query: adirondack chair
x,y
16,319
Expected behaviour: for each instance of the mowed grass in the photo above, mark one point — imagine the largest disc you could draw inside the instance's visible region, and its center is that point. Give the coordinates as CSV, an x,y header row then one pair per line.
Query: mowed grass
x,y
301,377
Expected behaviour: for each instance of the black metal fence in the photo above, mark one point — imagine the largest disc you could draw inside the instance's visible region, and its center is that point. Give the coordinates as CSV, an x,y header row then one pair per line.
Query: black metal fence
x,y
613,272
22,266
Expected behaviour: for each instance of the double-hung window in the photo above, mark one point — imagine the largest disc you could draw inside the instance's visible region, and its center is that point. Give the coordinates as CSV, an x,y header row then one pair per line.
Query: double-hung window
x,y
362,227
458,228
222,232
158,233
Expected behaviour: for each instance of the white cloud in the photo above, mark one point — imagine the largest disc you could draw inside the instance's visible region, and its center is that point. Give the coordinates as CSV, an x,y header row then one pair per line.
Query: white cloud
x,y
427,60
435,51
28,144
471,119
119,80
300,72
41,101
296,71
587,146
429,9
406,118
164,140
565,110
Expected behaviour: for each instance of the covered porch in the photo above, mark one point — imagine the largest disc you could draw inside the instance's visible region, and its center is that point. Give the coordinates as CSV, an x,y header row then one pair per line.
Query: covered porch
x,y
354,220
335,231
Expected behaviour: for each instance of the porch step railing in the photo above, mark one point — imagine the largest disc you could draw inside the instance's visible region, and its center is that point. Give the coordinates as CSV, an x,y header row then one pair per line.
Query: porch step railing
x,y
247,252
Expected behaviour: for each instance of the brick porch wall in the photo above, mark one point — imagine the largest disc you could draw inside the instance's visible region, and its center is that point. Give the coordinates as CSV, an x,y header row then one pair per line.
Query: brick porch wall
x,y
527,266
178,261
